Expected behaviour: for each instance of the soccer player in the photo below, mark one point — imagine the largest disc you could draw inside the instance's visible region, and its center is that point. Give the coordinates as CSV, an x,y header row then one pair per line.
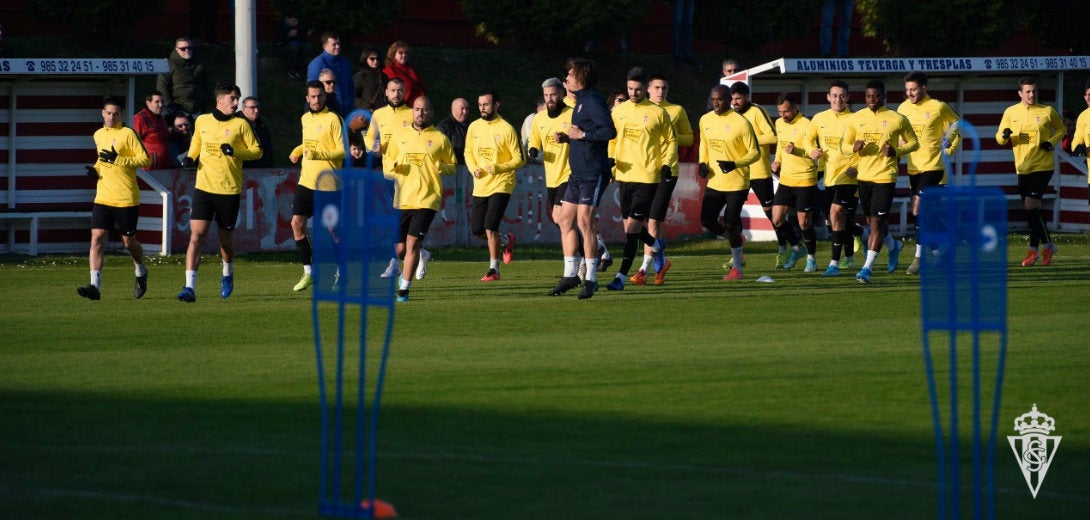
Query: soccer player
x,y
384,122
798,180
543,146
728,146
588,137
826,133
221,142
1081,138
642,154
657,90
935,125
117,196
415,159
760,172
879,136
322,150
493,154
1032,130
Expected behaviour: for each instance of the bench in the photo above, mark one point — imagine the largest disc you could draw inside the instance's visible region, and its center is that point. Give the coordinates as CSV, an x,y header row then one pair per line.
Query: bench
x,y
33,218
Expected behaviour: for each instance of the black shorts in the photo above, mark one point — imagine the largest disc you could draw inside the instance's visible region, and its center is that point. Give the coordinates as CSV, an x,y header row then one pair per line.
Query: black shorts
x,y
1033,185
585,190
876,199
763,189
109,217
303,202
844,195
214,206
415,222
555,196
636,199
661,204
715,201
487,212
920,181
799,197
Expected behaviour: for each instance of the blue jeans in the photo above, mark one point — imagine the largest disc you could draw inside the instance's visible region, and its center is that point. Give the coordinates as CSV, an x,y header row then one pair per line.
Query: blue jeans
x,y
843,10
681,28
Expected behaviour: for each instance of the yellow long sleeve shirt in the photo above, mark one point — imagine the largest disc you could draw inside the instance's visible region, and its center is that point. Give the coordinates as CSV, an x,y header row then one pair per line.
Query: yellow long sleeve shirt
x,y
384,122
415,159
493,147
727,137
322,137
117,185
644,143
216,172
554,154
827,131
766,136
1082,134
876,128
683,130
797,169
1031,125
931,119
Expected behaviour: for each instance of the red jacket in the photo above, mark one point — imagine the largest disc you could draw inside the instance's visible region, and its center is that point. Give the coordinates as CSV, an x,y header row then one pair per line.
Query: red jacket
x,y
152,130
414,86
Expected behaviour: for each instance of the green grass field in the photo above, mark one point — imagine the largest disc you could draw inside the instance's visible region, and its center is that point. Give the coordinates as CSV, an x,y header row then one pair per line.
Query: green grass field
x,y
699,399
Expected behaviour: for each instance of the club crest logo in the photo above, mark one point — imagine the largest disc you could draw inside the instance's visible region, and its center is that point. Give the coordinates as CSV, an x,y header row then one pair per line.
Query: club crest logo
x,y
1034,448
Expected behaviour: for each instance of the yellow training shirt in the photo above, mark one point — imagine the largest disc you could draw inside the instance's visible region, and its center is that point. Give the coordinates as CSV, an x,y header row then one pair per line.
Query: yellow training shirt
x,y
117,185
1082,134
1031,125
932,120
728,137
644,143
683,130
384,122
797,169
323,139
415,159
877,128
766,136
218,173
553,153
493,147
826,131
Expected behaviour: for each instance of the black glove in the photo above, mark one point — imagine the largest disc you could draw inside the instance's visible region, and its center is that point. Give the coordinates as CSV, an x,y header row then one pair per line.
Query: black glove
x,y
666,171
92,172
1007,134
703,170
891,152
1079,150
227,150
612,162
534,153
726,166
108,155
1046,146
188,162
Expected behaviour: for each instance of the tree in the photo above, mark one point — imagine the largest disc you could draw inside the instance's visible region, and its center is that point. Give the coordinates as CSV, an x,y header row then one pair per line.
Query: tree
x,y
343,16
745,25
552,22
99,19
948,28
1057,24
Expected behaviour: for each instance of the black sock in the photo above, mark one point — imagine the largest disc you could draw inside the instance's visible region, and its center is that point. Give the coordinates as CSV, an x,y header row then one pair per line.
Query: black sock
x,y
305,254
810,236
1033,220
646,238
838,244
781,238
631,243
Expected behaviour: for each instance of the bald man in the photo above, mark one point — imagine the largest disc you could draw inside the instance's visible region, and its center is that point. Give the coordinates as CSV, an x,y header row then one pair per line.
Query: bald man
x,y
454,127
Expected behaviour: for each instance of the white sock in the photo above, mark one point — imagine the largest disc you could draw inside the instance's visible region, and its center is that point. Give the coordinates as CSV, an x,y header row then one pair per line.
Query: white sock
x,y
809,257
404,284
602,246
307,270
191,278
592,269
494,264
96,277
228,269
570,267
871,256
646,263
919,250
834,263
141,270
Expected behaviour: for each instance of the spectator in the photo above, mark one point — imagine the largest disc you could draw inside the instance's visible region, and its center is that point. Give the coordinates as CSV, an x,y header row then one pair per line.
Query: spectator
x,y
454,127
181,133
357,155
152,130
616,98
370,82
291,43
251,110
329,84
331,59
184,86
843,10
397,66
